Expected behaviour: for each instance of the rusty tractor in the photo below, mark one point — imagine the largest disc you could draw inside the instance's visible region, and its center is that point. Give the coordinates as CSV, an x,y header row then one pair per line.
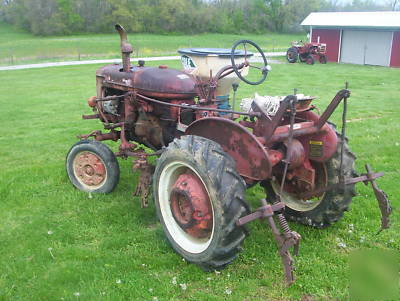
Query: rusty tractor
x,y
208,153
307,52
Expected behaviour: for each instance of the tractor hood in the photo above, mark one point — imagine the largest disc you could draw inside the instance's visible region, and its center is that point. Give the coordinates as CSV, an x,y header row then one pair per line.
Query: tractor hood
x,y
161,82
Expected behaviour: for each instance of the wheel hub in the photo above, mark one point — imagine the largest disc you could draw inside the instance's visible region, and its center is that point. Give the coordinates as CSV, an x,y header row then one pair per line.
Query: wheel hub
x,y
89,169
306,178
190,206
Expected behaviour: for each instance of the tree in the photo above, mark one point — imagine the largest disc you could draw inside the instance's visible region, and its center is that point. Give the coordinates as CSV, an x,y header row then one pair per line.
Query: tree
x,y
277,14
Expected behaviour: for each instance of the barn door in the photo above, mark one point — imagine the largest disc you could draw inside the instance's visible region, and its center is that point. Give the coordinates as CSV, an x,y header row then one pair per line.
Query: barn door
x,y
378,46
353,47
366,47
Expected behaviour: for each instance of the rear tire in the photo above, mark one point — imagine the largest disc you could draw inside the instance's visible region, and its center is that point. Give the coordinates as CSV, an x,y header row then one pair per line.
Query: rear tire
x,y
332,204
292,55
224,187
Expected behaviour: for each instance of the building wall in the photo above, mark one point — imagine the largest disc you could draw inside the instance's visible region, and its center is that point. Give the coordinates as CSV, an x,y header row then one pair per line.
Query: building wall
x,y
395,58
332,39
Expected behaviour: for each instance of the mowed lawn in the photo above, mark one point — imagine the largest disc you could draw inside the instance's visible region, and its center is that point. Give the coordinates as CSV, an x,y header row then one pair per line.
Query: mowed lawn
x,y
57,243
19,47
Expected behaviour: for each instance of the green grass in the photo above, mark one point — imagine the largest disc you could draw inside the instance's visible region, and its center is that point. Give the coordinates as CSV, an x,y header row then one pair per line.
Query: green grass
x,y
19,47
100,241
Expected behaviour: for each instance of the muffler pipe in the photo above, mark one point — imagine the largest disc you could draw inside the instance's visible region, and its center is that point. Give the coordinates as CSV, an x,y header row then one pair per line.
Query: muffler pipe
x,y
126,48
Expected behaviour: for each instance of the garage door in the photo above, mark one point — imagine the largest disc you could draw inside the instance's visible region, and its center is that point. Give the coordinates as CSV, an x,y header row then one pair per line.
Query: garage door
x,y
366,47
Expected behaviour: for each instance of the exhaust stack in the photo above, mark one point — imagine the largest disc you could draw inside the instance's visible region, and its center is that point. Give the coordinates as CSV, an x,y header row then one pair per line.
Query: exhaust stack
x,y
126,48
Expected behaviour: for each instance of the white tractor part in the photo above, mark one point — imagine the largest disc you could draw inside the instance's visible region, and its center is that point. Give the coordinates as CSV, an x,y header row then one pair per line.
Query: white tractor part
x,y
203,62
270,104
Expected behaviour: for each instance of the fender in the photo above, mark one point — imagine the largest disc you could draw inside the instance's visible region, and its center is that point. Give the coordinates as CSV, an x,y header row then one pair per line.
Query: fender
x,y
319,147
250,155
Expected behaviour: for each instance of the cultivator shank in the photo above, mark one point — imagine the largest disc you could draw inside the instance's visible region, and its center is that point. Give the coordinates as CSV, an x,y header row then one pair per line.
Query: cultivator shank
x,y
285,238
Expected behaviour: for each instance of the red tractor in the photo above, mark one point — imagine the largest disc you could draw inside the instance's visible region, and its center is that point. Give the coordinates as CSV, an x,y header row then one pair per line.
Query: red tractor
x,y
306,52
208,153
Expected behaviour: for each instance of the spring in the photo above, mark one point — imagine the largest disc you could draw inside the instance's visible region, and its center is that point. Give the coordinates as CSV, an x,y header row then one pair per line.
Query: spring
x,y
283,223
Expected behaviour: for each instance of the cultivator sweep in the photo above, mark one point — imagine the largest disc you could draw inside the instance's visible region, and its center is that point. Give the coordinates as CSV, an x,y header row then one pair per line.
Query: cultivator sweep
x,y
208,153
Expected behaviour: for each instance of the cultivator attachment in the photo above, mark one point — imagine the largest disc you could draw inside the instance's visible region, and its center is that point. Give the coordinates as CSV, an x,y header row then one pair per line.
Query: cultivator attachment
x,y
285,238
381,197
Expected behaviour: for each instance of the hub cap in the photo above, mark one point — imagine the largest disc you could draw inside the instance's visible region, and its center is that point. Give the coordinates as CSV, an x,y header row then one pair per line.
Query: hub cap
x,y
89,169
190,206
185,205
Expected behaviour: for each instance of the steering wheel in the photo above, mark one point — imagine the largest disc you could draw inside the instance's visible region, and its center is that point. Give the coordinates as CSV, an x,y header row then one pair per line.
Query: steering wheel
x,y
264,70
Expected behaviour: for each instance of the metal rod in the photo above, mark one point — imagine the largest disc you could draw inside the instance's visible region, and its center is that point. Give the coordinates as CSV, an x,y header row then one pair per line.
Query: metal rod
x,y
343,135
331,107
110,97
235,87
290,139
256,114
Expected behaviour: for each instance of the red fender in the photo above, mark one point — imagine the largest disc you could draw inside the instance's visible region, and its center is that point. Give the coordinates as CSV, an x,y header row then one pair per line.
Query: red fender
x,y
318,147
250,155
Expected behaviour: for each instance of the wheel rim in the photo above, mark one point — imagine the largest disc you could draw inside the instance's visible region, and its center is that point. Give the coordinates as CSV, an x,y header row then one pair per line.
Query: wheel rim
x,y
293,201
185,207
89,169
291,55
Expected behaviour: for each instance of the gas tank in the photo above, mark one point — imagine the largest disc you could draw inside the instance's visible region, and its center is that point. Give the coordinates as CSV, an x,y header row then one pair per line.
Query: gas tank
x,y
159,82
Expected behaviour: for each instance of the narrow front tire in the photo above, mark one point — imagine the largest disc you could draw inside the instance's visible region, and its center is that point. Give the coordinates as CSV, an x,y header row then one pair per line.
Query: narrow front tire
x,y
92,167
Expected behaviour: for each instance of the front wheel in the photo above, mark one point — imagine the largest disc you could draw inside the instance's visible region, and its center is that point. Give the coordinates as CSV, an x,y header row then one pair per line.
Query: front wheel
x,y
92,167
326,208
199,197
310,60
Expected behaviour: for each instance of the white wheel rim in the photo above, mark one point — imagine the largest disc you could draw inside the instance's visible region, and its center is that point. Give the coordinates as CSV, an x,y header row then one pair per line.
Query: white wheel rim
x,y
293,202
168,177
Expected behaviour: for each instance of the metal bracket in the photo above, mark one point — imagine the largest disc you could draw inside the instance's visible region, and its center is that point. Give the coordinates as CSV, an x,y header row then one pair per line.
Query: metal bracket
x,y
285,240
144,184
264,211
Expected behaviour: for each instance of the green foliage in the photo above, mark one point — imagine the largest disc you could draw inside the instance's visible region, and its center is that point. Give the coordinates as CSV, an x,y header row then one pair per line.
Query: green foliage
x,y
50,17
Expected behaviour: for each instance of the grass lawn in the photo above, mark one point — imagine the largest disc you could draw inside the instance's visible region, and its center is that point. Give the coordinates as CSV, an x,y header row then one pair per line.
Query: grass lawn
x,y
58,243
19,47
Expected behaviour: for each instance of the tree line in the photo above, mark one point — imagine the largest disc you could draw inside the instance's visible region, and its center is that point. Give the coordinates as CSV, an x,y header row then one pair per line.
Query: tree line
x,y
62,17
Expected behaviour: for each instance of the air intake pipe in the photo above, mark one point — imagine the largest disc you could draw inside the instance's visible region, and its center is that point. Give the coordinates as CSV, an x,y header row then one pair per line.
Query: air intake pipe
x,y
126,48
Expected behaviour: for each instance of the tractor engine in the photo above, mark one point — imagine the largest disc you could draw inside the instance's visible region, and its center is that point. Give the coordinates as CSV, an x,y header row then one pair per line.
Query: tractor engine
x,y
152,124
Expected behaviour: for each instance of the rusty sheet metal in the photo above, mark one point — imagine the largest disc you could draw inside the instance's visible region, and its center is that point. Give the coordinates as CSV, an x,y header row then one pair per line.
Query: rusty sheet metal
x,y
158,82
250,156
